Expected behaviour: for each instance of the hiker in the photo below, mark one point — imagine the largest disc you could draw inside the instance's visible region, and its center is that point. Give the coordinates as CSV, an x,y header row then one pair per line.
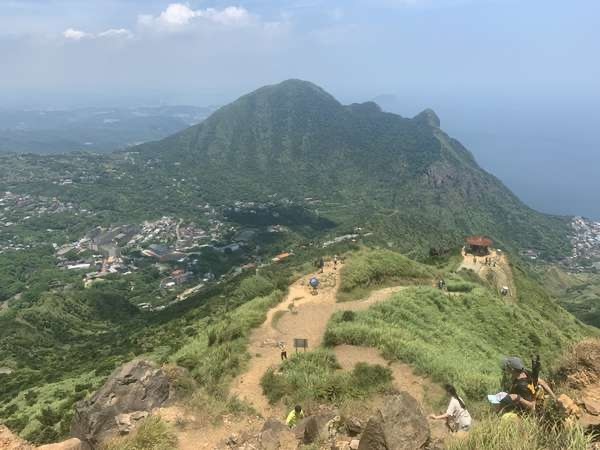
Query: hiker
x,y
283,350
526,388
335,261
321,264
457,417
294,415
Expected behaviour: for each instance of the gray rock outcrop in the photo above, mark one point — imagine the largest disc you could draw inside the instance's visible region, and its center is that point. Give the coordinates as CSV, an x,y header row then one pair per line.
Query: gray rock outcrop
x,y
399,425
129,394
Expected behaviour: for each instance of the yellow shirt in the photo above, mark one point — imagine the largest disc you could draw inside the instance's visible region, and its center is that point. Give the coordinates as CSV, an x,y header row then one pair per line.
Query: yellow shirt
x,y
292,418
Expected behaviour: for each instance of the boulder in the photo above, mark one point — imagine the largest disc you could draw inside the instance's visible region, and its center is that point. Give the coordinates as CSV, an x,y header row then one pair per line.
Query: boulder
x,y
277,440
126,423
129,394
592,406
311,431
353,426
71,444
354,444
399,425
10,441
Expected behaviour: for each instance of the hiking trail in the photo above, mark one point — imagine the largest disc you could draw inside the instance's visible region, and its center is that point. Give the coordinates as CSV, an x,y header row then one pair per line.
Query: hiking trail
x,y
304,315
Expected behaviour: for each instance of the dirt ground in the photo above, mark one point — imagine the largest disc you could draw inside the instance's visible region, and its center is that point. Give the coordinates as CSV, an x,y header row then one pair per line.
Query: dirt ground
x,y
303,315
497,272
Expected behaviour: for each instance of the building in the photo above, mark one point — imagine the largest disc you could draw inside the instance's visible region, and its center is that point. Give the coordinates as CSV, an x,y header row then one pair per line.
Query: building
x,y
478,245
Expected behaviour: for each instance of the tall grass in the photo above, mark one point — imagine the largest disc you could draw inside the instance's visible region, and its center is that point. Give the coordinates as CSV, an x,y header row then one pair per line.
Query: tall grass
x,y
315,376
369,269
151,434
218,353
526,433
459,339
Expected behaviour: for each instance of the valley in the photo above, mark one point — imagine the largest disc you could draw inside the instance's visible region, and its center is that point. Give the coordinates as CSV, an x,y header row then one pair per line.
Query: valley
x,y
195,252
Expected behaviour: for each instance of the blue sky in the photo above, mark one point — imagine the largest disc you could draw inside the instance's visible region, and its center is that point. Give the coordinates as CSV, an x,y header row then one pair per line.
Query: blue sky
x,y
204,50
516,80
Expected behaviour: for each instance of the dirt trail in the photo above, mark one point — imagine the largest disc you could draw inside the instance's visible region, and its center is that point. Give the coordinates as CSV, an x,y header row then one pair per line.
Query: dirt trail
x,y
309,319
498,272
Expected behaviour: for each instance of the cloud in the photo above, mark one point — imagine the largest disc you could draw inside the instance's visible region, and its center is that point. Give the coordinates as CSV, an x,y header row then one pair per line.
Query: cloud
x,y
178,15
115,33
75,35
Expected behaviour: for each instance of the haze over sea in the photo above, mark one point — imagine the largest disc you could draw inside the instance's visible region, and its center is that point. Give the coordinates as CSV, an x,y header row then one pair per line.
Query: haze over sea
x,y
545,150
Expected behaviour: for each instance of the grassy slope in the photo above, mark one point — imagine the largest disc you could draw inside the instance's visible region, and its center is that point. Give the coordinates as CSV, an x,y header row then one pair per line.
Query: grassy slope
x,y
374,269
461,338
577,293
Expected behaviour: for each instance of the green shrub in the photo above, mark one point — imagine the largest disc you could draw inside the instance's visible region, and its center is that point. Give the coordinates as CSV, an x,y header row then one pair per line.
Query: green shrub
x,y
152,434
370,268
348,316
460,286
315,376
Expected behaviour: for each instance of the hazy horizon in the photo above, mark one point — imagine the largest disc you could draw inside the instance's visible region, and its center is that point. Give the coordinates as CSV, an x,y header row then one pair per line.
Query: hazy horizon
x,y
516,82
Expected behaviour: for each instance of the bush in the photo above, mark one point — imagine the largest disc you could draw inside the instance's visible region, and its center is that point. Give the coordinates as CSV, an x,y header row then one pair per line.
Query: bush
x,y
315,376
152,434
348,316
371,268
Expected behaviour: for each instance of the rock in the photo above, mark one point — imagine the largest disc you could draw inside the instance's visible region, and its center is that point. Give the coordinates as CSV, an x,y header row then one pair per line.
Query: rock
x,y
399,425
318,427
354,426
126,423
592,406
354,444
10,441
132,390
373,438
568,407
275,425
311,430
276,440
71,444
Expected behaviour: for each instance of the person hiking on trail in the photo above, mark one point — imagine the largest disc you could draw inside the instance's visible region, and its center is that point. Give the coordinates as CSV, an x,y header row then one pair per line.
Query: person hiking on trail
x,y
283,350
321,264
457,417
294,415
335,261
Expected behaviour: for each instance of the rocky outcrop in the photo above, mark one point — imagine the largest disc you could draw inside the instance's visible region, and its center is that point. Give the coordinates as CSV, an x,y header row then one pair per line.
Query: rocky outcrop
x,y
71,444
130,393
399,425
10,441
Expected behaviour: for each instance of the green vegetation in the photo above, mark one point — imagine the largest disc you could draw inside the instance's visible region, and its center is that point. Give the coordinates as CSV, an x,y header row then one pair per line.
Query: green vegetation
x,y
315,376
527,433
475,330
218,353
151,434
373,269
577,293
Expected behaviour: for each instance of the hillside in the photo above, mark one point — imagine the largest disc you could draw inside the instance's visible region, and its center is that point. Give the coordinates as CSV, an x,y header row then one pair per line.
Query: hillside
x,y
404,177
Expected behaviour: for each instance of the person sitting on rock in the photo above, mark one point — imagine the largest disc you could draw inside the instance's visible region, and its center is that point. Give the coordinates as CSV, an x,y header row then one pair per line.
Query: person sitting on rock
x,y
457,417
294,415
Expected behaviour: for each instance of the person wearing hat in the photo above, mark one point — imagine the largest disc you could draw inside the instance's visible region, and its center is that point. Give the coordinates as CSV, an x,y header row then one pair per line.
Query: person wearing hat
x,y
522,394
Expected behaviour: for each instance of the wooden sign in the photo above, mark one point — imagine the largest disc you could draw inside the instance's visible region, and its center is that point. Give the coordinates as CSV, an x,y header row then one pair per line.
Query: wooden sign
x,y
300,343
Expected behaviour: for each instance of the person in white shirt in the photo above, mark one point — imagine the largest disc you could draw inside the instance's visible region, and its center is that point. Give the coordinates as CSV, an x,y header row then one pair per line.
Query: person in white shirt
x,y
457,417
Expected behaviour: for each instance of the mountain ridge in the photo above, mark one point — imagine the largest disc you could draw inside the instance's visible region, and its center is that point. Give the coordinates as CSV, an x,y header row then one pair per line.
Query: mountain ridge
x,y
296,140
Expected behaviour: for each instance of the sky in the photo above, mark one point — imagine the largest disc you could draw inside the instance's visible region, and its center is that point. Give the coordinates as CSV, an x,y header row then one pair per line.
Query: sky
x,y
517,81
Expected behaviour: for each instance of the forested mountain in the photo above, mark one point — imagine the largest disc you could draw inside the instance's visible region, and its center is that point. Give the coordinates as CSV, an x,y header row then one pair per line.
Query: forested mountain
x,y
403,176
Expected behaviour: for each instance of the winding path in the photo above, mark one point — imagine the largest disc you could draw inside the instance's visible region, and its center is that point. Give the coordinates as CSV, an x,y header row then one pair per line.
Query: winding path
x,y
309,321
